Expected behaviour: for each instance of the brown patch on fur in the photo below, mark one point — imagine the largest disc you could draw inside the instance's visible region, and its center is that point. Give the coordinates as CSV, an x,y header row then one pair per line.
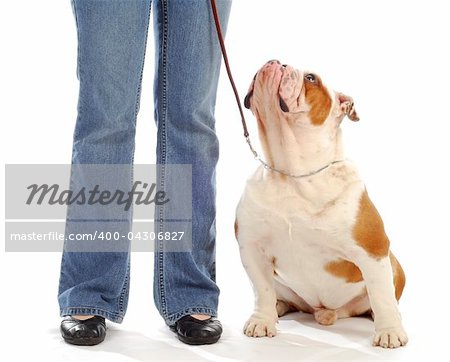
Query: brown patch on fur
x,y
368,230
319,100
236,229
344,269
399,276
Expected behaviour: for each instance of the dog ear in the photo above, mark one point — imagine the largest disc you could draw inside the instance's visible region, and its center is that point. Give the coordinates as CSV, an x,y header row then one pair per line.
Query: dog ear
x,y
347,107
249,93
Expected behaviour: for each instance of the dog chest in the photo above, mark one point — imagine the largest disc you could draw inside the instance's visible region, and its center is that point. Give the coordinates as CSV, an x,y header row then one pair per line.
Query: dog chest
x,y
302,235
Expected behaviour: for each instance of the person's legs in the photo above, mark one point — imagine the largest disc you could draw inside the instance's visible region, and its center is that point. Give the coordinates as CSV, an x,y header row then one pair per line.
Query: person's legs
x,y
187,72
111,48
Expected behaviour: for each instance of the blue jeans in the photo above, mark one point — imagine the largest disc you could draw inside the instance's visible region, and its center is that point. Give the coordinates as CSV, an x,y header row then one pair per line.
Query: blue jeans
x,y
112,36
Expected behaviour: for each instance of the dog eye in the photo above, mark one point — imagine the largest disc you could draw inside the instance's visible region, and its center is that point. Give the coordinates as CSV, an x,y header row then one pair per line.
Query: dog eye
x,y
310,78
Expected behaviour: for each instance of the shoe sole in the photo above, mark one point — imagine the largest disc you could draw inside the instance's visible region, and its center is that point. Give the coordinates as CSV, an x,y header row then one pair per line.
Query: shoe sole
x,y
84,341
196,341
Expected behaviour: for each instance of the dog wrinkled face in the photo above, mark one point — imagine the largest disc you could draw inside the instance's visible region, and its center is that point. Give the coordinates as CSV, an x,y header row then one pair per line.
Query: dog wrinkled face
x,y
295,94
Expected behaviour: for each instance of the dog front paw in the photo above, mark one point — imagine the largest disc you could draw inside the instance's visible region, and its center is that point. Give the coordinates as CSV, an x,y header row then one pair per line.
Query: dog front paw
x,y
260,327
390,337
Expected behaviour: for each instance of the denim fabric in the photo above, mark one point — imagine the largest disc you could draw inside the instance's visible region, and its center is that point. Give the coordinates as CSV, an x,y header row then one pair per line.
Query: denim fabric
x,y
111,49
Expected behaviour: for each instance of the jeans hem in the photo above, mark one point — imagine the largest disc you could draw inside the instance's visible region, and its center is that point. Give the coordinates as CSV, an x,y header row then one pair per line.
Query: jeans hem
x,y
174,317
111,316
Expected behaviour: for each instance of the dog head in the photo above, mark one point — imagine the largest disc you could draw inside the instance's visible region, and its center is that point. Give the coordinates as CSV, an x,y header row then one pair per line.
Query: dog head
x,y
284,92
298,116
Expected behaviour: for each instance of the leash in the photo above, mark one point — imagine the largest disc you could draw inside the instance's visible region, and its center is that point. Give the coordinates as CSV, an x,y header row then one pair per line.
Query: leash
x,y
227,66
241,112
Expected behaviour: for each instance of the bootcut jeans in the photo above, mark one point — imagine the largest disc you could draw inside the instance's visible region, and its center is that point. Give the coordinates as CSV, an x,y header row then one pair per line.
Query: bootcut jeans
x,y
112,36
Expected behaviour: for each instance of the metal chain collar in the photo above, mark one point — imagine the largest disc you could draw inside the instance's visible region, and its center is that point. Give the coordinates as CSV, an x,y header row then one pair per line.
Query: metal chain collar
x,y
268,167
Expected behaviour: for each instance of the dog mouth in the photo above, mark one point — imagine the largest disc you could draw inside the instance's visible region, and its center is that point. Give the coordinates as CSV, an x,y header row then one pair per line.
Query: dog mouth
x,y
288,88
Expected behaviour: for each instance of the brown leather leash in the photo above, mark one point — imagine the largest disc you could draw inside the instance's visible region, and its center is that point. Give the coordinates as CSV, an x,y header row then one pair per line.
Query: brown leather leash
x,y
227,66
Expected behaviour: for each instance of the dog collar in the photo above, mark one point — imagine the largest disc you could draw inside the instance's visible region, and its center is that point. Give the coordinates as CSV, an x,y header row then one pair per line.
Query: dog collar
x,y
271,168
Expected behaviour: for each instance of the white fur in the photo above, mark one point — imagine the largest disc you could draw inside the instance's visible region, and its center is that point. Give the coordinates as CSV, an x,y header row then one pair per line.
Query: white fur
x,y
296,226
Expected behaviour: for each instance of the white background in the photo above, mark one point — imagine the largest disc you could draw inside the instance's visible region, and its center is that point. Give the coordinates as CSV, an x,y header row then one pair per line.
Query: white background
x,y
390,56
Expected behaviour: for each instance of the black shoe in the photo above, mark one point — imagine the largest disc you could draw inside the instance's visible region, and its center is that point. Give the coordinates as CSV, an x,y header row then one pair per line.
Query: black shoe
x,y
87,332
195,331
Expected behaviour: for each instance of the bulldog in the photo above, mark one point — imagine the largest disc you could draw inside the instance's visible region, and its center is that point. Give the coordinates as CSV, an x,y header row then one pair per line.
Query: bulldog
x,y
310,238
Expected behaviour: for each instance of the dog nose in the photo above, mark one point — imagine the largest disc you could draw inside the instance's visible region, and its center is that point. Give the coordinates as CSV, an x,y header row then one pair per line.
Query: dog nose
x,y
273,61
